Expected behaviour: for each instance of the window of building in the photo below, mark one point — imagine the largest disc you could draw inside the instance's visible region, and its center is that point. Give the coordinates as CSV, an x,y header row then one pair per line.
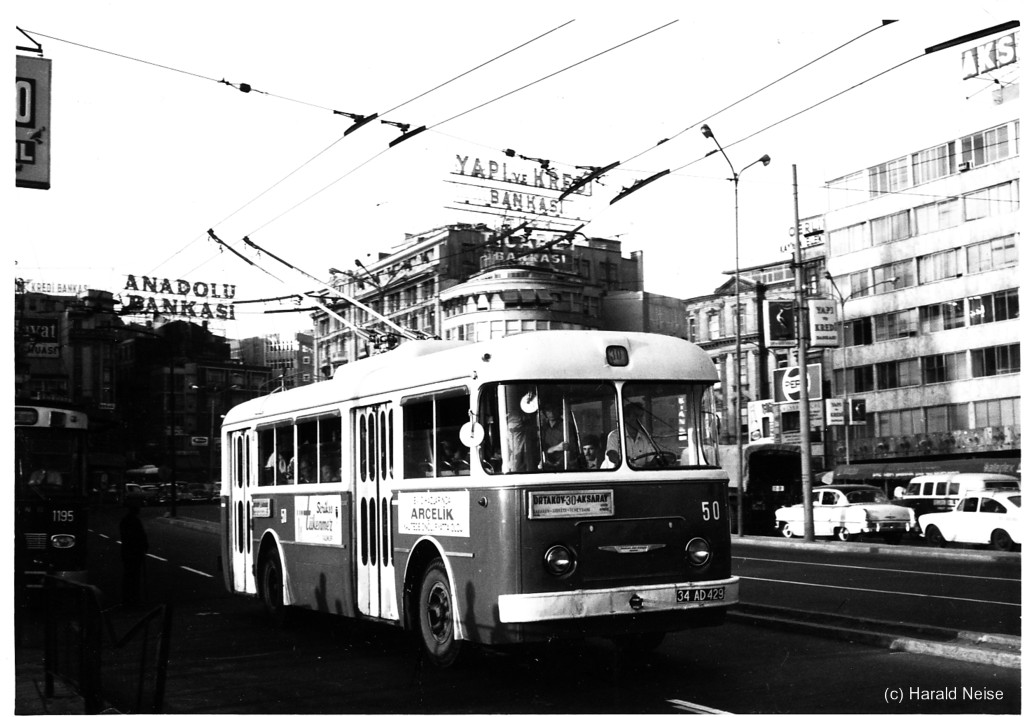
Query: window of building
x,y
900,423
896,325
997,412
585,268
890,228
992,201
898,374
933,163
1000,306
937,216
844,191
938,266
942,317
691,328
992,254
985,147
857,332
888,177
861,379
950,417
849,239
944,367
890,277
995,360
714,325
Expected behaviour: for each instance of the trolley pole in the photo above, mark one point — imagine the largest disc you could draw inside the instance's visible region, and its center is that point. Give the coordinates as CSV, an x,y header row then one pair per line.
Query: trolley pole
x,y
801,352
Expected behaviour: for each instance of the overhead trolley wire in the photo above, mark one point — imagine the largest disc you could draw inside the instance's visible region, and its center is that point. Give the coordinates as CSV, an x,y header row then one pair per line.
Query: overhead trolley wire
x,y
461,114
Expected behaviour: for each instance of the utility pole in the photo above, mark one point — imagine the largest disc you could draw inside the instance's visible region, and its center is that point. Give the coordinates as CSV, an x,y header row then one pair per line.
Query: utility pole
x,y
801,352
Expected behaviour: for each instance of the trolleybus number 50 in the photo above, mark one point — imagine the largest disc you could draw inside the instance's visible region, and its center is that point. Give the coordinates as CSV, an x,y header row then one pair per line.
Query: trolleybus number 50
x,y
709,510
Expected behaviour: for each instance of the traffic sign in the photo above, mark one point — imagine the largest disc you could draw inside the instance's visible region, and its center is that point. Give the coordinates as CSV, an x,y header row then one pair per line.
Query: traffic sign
x,y
787,383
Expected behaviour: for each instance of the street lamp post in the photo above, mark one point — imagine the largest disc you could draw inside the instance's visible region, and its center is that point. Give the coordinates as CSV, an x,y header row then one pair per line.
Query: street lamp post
x,y
735,179
842,350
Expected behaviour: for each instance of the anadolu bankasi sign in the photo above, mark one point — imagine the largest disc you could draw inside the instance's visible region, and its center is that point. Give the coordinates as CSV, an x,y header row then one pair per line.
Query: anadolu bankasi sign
x,y
179,298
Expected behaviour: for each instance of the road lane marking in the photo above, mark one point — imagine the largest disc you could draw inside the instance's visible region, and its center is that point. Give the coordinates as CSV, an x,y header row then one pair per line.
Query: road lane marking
x,y
886,570
694,708
197,572
156,557
885,592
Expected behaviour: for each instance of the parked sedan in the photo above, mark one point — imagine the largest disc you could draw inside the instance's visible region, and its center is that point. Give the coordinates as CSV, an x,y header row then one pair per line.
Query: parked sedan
x,y
986,517
847,512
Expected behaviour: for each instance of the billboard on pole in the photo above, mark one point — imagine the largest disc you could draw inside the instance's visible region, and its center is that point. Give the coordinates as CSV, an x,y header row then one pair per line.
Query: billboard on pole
x,y
780,323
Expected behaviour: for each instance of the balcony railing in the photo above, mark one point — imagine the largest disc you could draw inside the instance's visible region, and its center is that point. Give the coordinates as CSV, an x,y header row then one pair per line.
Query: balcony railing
x,y
992,438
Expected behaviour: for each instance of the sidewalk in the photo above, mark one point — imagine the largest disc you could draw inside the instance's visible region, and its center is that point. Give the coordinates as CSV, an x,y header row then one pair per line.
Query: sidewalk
x,y
29,688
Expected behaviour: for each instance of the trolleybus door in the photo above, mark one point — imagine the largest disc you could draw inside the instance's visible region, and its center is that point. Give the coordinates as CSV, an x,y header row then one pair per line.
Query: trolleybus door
x,y
375,572
240,511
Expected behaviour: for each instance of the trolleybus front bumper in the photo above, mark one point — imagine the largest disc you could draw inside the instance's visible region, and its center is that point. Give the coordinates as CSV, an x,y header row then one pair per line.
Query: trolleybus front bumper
x,y
631,600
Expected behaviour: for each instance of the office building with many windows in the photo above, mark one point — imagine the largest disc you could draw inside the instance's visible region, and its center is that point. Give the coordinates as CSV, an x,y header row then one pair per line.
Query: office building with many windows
x,y
923,250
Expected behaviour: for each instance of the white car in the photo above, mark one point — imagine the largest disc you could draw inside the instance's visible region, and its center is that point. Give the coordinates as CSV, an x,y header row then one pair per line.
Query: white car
x,y
985,517
846,512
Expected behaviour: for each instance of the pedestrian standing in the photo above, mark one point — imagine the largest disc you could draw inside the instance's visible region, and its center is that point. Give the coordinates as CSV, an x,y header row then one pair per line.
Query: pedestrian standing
x,y
134,546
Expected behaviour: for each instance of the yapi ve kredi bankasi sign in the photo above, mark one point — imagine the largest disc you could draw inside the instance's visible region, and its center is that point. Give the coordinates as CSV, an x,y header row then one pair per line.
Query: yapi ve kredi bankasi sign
x,y
514,187
179,298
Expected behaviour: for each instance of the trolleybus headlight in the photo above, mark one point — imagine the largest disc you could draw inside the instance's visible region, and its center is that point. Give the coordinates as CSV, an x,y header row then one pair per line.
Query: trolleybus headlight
x,y
559,560
698,552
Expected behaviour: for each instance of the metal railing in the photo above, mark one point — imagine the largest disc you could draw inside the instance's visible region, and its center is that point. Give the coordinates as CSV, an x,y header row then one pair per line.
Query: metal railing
x,y
83,648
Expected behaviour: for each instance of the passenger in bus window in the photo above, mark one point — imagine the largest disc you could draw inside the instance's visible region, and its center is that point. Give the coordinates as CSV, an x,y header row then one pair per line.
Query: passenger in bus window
x,y
307,471
591,451
552,436
522,443
638,441
452,459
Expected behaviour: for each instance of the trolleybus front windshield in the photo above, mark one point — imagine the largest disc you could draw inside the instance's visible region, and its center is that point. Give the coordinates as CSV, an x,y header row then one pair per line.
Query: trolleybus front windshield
x,y
532,427
47,462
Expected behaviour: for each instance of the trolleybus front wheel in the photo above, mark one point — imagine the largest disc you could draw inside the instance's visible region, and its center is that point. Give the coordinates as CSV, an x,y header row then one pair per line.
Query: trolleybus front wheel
x,y
437,616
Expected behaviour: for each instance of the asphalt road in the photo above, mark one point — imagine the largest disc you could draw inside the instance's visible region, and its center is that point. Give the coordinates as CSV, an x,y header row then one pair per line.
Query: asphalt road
x,y
227,656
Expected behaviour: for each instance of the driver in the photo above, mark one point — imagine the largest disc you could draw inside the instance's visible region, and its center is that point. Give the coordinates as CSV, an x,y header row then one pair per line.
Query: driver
x,y
638,441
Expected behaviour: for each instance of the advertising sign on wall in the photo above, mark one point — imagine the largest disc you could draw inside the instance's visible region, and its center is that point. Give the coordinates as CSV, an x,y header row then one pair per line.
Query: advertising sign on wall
x,y
32,123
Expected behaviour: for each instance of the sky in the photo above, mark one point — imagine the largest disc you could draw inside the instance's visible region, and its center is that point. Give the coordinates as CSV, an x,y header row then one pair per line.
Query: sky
x,y
151,149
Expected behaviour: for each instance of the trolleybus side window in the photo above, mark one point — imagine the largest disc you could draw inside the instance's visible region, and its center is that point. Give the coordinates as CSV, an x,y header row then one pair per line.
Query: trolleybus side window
x,y
430,427
531,427
319,452
277,454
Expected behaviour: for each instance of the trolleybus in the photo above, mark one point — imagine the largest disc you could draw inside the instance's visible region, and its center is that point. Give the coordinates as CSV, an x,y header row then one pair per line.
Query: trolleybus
x,y
444,487
50,493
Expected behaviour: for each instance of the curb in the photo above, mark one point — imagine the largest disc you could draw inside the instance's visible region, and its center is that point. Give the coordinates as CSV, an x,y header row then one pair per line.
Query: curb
x,y
835,546
979,648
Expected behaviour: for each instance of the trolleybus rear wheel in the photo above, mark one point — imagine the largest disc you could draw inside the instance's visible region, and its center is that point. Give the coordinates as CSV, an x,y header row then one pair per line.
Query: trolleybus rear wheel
x,y
437,616
272,585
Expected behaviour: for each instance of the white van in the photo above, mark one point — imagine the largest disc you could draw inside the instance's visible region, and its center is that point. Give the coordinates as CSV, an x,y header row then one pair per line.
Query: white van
x,y
939,492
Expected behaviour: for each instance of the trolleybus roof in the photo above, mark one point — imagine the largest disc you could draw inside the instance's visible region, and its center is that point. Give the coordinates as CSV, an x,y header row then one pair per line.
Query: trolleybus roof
x,y
541,355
